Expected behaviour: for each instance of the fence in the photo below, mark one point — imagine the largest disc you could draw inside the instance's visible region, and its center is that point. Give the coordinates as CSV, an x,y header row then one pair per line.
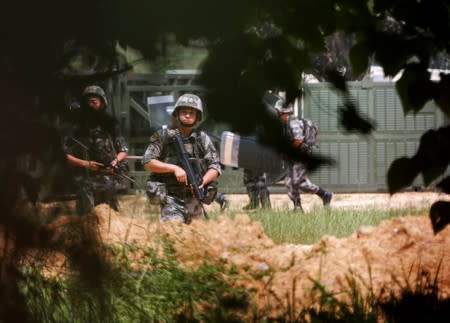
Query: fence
x,y
362,162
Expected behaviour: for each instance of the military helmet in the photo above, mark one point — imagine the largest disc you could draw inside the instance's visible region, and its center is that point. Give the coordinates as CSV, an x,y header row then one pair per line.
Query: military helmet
x,y
189,101
276,102
97,91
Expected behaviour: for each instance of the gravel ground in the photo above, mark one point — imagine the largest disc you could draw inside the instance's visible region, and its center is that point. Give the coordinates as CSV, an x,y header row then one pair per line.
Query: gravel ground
x,y
139,204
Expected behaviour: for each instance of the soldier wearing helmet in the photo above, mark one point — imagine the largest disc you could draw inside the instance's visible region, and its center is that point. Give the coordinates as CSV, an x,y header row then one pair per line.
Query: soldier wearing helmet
x,y
296,180
95,147
187,102
92,92
168,180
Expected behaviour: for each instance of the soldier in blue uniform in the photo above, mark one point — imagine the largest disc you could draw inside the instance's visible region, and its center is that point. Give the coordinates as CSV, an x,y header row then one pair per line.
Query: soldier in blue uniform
x,y
168,180
296,180
256,186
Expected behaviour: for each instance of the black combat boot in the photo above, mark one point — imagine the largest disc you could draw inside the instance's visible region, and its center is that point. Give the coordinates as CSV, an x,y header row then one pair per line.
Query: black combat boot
x,y
326,196
223,204
265,200
253,204
298,205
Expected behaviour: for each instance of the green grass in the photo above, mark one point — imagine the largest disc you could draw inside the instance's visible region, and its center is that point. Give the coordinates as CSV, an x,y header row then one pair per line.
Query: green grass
x,y
158,290
294,227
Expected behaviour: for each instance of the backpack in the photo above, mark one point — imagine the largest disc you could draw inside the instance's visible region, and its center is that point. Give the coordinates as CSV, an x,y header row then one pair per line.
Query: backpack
x,y
310,132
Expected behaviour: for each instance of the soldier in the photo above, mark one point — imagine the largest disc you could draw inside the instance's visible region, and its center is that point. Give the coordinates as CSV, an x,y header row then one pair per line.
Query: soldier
x,y
168,181
94,147
296,179
255,183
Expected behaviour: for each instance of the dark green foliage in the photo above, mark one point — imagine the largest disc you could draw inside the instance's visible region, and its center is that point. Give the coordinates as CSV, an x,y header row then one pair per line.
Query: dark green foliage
x,y
352,122
433,154
442,94
415,87
359,57
440,215
444,185
431,159
401,173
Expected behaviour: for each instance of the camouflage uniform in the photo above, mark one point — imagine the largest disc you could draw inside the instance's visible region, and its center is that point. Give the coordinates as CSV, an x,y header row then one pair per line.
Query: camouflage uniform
x,y
102,140
296,180
255,183
176,199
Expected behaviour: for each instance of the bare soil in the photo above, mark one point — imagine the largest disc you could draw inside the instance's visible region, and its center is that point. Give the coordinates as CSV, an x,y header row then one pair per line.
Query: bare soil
x,y
135,205
383,258
345,200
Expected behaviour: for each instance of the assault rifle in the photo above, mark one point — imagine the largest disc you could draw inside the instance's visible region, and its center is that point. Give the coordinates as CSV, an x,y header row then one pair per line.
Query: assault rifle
x,y
117,170
193,179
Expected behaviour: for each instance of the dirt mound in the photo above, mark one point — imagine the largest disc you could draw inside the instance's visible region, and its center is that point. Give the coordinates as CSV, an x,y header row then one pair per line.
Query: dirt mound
x,y
385,256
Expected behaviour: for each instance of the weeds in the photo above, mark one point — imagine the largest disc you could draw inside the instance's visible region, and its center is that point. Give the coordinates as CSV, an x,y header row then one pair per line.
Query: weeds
x,y
420,302
357,302
160,290
157,291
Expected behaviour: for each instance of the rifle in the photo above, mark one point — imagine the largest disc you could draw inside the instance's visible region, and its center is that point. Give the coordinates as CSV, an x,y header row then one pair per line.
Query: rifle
x,y
193,180
116,170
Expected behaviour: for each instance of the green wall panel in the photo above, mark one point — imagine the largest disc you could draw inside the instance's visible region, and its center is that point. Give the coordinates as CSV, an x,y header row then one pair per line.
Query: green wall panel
x,y
363,161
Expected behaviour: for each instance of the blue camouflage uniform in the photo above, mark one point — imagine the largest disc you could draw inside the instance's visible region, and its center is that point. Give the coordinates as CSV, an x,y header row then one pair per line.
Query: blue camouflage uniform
x,y
256,186
296,180
176,199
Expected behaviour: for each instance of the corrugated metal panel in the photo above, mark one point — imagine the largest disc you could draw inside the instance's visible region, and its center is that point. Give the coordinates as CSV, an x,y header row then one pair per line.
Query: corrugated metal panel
x,y
353,164
363,167
380,166
362,162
